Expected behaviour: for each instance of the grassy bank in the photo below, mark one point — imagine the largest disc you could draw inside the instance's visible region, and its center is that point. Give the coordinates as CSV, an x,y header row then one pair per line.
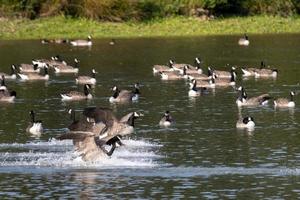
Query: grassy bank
x,y
61,27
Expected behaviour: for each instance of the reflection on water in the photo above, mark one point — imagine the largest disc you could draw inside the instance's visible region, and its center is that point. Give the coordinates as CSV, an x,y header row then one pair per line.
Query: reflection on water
x,y
202,156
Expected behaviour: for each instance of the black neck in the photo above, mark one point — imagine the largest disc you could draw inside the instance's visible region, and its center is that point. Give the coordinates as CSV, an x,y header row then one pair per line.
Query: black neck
x,y
136,91
168,118
116,93
73,115
13,71
131,119
232,79
93,74
209,72
32,117
3,81
292,97
86,91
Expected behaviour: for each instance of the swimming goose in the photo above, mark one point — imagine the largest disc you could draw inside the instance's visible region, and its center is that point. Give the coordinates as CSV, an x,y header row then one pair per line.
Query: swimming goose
x,y
125,95
245,122
112,42
244,41
34,76
163,68
56,41
87,79
29,68
266,73
173,75
76,96
225,74
166,120
55,60
87,42
35,127
243,99
12,75
194,91
224,82
6,96
2,84
201,77
64,68
285,102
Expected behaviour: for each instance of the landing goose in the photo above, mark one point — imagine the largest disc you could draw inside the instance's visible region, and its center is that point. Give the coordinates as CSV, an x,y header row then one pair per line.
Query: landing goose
x,y
243,99
285,102
64,68
12,75
35,127
87,79
244,41
76,96
90,143
166,120
123,96
34,76
87,42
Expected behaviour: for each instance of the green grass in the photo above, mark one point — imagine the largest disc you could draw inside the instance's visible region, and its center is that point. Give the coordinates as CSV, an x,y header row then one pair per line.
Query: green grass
x,y
61,27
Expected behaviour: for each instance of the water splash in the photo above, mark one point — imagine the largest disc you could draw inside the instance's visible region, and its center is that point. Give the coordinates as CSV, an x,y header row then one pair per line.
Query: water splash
x,y
60,154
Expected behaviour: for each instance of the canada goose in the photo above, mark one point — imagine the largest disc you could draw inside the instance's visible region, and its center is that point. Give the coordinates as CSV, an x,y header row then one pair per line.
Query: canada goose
x,y
34,76
166,120
6,96
266,73
88,145
124,95
173,75
224,74
163,68
112,42
194,91
76,96
244,41
64,68
29,68
202,84
35,127
12,74
87,42
55,60
251,70
111,126
2,84
201,77
246,122
285,102
224,82
243,99
87,79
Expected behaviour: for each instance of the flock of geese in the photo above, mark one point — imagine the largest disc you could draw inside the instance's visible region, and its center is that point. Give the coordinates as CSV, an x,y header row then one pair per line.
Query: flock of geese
x,y
98,127
200,83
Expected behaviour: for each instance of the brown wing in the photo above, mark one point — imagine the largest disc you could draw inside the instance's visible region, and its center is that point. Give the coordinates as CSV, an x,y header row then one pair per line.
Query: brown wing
x,y
99,114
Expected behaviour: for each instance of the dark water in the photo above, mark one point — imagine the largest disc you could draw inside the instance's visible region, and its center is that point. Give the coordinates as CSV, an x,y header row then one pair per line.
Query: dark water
x,y
202,156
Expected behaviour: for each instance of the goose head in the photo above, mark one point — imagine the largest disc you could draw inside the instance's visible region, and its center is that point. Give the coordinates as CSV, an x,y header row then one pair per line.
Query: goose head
x,y
89,37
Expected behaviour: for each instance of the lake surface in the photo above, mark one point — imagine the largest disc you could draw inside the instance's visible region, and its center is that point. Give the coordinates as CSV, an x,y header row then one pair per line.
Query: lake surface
x,y
202,157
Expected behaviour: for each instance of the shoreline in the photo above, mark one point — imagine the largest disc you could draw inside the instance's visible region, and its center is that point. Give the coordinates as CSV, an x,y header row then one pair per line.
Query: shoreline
x,y
61,27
